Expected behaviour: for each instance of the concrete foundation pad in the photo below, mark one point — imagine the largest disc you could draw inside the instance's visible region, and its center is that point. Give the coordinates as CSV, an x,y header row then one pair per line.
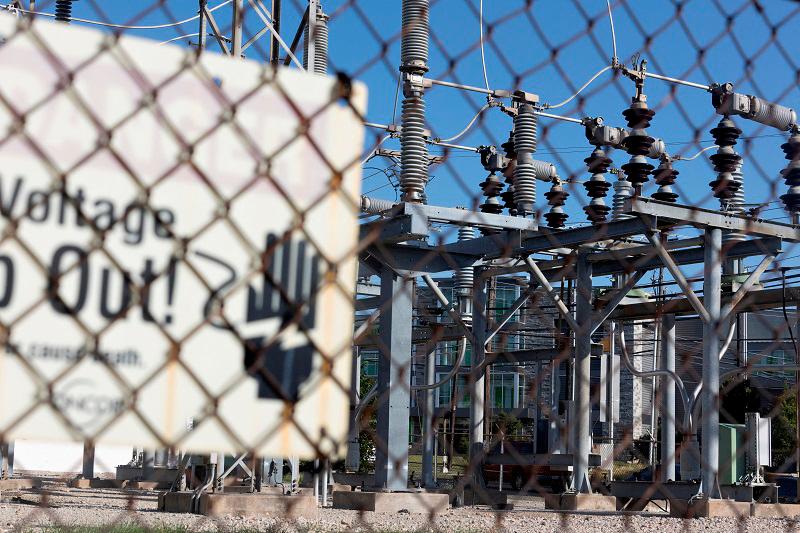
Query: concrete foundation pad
x,y
571,501
391,502
96,483
158,473
20,483
704,508
258,505
175,502
145,485
775,510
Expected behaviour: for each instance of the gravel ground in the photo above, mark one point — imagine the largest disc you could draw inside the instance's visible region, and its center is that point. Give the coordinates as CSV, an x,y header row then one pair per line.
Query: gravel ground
x,y
57,507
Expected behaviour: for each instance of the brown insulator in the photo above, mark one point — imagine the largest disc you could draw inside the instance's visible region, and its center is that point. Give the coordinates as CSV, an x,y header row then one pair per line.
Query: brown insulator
x,y
638,144
556,198
665,177
726,160
597,186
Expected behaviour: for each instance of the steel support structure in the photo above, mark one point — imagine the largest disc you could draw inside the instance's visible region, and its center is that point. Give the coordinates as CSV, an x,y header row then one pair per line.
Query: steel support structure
x,y
238,24
712,287
394,374
353,458
429,424
668,399
477,414
87,470
7,460
583,347
202,33
274,44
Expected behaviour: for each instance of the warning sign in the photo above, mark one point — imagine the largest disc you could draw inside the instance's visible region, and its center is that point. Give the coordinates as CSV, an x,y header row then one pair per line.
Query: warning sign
x,y
177,246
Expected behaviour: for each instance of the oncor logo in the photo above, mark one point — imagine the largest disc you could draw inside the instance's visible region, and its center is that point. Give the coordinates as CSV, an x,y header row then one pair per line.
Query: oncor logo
x,y
79,401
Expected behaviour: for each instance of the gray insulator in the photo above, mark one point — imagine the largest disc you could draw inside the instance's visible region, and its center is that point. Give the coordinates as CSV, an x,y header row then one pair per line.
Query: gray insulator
x,y
416,31
657,149
759,110
374,206
544,171
414,153
464,278
525,171
735,204
623,190
320,43
777,116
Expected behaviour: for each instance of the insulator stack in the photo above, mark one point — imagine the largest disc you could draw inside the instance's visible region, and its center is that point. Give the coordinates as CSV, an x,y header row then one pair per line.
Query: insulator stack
x,y
64,10
464,278
622,191
556,198
638,144
791,174
665,176
491,187
508,195
736,205
414,61
374,206
525,172
544,171
320,42
597,186
414,155
416,29
726,160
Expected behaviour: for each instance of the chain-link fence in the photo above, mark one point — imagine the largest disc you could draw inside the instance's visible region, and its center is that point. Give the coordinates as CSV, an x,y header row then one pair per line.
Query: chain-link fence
x,y
336,300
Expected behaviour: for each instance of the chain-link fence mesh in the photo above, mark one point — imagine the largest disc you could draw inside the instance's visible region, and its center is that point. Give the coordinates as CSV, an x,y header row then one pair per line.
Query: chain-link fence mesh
x,y
567,283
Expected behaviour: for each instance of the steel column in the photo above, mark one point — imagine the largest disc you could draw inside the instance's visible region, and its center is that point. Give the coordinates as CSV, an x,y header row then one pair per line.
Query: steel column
x,y
203,29
668,399
88,460
394,371
554,440
583,407
148,458
612,387
428,422
7,462
274,44
353,459
238,25
712,288
478,381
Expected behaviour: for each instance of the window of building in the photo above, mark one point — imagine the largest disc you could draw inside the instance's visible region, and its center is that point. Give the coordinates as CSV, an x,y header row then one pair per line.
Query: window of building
x,y
444,396
508,389
369,364
447,352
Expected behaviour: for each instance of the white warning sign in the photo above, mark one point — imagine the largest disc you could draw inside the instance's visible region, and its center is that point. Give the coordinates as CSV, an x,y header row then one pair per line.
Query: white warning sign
x,y
178,245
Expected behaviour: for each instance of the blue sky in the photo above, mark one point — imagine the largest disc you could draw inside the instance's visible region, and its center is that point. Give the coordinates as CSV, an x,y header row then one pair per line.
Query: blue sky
x,y
550,47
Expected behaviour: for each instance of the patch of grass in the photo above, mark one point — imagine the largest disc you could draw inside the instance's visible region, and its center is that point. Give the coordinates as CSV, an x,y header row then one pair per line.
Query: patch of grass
x,y
623,469
457,468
